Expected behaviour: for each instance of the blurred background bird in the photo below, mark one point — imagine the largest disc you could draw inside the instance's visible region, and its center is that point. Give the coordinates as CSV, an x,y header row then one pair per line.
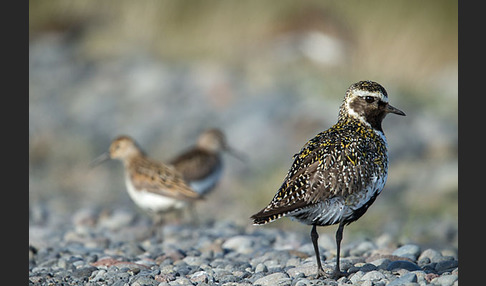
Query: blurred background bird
x,y
153,186
202,165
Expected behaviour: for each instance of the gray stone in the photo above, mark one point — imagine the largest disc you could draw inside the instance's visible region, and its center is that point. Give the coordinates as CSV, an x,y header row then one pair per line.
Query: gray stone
x,y
84,272
273,279
143,280
181,281
293,262
356,277
445,280
241,243
368,267
373,276
64,263
132,249
404,279
422,262
228,279
98,275
381,263
183,269
403,264
117,220
219,274
201,277
303,282
408,250
307,270
193,260
273,265
447,265
119,283
261,268
432,254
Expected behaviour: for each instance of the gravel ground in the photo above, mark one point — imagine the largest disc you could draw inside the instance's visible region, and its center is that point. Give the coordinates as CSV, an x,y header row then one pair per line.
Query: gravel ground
x,y
99,246
270,97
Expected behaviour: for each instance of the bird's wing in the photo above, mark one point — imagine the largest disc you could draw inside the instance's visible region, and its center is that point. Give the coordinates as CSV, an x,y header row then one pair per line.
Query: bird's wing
x,y
161,179
196,164
318,172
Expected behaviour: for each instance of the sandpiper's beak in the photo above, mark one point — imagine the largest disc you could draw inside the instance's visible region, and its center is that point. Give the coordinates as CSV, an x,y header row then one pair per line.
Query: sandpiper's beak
x,y
238,155
100,159
391,109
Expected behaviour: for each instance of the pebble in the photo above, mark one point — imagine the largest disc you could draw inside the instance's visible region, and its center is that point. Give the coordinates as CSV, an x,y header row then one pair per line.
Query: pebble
x,y
409,277
447,265
143,281
373,275
273,279
201,277
241,244
381,263
307,270
402,264
410,251
117,220
356,277
445,280
261,268
431,254
216,254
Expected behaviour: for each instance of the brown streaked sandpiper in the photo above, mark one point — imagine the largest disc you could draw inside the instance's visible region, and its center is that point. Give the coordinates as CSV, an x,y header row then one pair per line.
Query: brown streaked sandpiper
x,y
155,187
202,165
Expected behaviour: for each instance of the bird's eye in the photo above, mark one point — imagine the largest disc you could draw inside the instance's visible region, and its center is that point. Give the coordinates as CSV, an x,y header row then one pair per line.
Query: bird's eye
x,y
369,99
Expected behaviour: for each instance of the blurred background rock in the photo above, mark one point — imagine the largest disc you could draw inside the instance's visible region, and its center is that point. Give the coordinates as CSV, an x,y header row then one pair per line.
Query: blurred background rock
x,y
270,74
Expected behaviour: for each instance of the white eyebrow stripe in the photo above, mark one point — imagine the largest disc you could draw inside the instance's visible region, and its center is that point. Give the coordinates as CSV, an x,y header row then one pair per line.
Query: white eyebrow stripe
x,y
363,93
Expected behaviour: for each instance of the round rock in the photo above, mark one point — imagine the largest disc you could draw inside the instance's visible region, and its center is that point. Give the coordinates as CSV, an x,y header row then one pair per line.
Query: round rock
x,y
273,279
408,250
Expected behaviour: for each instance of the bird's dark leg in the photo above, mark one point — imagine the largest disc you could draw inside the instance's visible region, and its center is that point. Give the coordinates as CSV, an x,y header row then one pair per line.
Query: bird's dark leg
x,y
339,236
315,237
158,221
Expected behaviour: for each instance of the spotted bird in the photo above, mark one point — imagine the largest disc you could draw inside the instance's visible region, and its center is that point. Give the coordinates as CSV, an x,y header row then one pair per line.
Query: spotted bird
x,y
338,174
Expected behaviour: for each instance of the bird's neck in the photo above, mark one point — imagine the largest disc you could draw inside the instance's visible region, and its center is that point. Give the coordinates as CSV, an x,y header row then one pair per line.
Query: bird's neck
x,y
371,122
361,126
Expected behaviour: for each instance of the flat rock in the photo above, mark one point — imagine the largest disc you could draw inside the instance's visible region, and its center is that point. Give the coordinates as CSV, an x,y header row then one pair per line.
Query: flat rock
x,y
404,279
408,250
273,279
373,276
403,264
307,270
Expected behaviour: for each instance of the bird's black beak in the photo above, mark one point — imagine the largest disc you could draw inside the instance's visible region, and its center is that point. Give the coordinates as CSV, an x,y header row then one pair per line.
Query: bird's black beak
x,y
391,109
100,159
238,155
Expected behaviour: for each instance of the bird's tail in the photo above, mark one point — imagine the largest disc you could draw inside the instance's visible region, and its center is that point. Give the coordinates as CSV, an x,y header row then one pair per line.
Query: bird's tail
x,y
264,216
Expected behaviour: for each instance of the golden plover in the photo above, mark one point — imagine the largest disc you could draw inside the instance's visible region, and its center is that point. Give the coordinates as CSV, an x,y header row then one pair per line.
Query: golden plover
x,y
339,173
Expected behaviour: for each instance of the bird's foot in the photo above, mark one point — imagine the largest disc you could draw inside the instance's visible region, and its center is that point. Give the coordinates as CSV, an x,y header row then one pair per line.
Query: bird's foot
x,y
321,273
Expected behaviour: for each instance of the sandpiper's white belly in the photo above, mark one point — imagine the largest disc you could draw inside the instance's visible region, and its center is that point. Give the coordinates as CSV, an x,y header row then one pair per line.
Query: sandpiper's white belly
x,y
150,201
